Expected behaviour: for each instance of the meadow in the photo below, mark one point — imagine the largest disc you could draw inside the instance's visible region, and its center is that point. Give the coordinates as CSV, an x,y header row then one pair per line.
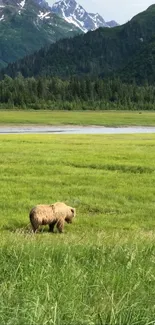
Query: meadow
x,y
105,118
101,271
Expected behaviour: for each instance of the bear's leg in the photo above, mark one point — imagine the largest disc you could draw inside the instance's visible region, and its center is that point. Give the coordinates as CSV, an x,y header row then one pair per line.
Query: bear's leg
x,y
51,226
60,225
35,229
35,226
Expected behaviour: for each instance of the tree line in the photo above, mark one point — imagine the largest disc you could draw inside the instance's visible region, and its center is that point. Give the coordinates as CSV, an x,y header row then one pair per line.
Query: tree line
x,y
74,94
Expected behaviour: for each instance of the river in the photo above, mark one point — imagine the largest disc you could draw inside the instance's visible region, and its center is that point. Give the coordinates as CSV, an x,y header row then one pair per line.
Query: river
x,y
31,129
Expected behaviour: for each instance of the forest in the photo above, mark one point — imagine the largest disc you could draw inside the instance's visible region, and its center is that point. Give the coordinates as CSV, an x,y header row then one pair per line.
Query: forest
x,y
74,94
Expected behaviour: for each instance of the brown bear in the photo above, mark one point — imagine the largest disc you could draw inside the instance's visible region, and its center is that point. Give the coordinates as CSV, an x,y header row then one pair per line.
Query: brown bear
x,y
52,214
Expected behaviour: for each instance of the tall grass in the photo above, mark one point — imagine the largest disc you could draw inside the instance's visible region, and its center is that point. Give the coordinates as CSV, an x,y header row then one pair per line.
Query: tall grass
x,y
106,118
60,282
101,270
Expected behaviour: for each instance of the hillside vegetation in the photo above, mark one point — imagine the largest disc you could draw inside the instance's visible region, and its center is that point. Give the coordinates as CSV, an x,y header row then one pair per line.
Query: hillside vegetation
x,y
97,53
141,69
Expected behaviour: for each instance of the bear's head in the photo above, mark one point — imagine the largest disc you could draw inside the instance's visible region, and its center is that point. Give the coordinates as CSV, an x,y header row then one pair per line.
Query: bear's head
x,y
71,213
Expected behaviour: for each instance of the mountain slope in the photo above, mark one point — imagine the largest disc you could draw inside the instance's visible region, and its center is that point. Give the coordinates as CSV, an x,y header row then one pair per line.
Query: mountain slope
x,y
28,25
100,52
141,68
77,15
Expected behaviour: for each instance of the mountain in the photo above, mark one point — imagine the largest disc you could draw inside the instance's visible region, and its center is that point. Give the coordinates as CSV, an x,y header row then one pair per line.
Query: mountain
x,y
112,23
102,52
28,25
141,69
73,13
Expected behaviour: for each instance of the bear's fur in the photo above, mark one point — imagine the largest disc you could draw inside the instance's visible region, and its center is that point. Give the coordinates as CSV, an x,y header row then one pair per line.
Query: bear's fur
x,y
52,214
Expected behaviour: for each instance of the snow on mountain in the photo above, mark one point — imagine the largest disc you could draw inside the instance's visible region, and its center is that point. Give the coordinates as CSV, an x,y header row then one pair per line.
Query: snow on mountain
x,y
2,18
28,25
22,3
18,6
37,10
74,13
42,15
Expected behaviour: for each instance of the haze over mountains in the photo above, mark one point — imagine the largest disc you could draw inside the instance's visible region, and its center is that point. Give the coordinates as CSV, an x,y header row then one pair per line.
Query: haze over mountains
x,y
102,52
74,13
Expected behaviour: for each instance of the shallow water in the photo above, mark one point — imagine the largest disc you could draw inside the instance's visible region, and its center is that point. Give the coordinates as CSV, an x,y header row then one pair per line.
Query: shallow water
x,y
74,130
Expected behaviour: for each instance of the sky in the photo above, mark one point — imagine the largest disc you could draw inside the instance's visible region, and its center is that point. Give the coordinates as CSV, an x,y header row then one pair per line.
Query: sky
x,y
119,10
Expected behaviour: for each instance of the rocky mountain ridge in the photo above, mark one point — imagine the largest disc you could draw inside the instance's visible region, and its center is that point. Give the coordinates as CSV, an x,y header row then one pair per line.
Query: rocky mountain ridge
x,y
74,13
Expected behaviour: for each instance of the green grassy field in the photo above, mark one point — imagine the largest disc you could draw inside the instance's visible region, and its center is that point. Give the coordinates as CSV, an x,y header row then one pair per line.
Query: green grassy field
x,y
101,271
106,118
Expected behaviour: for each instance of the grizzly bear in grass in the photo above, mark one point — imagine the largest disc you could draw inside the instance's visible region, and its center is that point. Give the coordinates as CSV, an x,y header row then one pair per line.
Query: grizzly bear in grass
x,y
52,214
